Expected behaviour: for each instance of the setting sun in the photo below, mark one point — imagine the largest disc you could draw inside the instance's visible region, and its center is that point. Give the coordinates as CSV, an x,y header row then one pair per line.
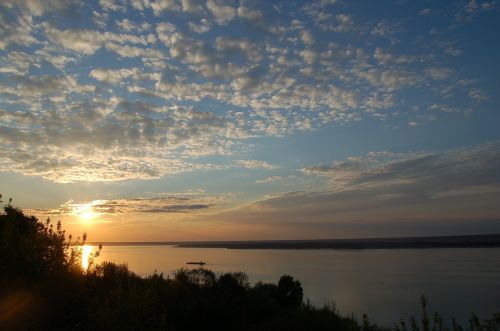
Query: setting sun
x,y
87,216
85,212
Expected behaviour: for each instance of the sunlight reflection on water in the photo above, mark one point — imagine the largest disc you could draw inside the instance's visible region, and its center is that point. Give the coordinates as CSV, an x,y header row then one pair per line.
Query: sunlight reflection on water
x,y
86,253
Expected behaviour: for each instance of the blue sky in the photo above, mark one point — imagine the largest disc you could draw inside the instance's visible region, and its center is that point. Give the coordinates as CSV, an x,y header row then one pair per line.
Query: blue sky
x,y
179,120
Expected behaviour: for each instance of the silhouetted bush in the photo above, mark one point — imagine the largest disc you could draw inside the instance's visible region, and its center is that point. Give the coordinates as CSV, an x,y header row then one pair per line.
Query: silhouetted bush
x,y
43,287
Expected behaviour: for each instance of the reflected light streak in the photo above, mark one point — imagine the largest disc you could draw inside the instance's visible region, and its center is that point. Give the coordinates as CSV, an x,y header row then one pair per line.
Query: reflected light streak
x,y
86,254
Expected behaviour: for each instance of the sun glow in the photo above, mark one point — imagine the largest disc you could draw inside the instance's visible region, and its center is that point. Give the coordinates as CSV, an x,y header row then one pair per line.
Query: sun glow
x,y
87,252
87,216
85,212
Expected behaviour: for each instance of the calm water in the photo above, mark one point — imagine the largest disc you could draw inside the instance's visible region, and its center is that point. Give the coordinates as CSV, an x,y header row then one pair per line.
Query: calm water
x,y
386,284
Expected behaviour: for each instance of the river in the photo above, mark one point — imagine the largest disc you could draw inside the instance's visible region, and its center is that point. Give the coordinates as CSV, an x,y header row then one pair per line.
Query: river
x,y
385,284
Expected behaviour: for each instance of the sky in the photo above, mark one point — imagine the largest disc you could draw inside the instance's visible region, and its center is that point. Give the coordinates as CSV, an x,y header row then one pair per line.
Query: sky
x,y
138,120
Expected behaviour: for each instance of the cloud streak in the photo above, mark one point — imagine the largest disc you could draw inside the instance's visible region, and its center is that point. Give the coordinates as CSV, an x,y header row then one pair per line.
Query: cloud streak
x,y
389,191
181,204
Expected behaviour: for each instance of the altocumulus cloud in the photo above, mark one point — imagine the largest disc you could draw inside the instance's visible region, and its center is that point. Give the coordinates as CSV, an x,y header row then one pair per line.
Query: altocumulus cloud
x,y
127,92
104,140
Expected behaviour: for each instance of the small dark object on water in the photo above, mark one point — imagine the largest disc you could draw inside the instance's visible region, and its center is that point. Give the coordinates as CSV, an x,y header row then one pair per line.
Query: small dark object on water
x,y
201,263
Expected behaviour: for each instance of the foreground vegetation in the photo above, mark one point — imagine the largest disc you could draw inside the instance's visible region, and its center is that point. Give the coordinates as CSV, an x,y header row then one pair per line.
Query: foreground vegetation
x,y
43,287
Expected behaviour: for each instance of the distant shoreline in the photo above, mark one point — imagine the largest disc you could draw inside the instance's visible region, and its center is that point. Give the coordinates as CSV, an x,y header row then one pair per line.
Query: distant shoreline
x,y
470,241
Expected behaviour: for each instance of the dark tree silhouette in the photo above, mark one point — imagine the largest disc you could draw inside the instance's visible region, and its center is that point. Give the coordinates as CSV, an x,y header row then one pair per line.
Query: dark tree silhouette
x,y
290,292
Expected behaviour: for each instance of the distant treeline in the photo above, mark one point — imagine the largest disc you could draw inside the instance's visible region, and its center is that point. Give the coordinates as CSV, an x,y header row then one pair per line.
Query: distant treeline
x,y
43,287
470,241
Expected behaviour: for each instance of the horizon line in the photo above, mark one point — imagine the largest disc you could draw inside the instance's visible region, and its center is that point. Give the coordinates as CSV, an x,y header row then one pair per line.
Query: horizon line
x,y
295,240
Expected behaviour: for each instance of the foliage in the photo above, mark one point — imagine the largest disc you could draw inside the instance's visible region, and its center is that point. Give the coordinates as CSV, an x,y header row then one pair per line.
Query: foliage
x,y
43,287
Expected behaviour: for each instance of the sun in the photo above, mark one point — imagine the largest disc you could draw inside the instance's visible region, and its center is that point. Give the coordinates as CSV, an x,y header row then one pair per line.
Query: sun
x,y
85,212
87,216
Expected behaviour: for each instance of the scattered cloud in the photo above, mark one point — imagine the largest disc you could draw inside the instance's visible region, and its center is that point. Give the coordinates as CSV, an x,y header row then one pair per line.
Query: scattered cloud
x,y
267,180
256,164
253,16
88,41
478,95
202,27
122,87
39,7
473,8
425,12
307,37
107,140
222,13
160,6
439,73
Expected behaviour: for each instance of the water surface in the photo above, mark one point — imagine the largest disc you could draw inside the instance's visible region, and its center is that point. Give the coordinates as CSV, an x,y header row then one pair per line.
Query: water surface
x,y
386,284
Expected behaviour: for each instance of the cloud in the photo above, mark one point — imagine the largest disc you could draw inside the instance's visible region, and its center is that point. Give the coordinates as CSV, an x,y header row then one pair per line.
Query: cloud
x,y
39,7
139,4
196,92
20,63
128,26
119,76
439,73
386,29
171,204
100,18
390,79
125,50
47,85
477,95
202,27
16,30
391,192
83,41
223,14
425,12
111,5
72,80
256,164
159,6
309,56
346,172
88,41
386,58
443,108
473,8
453,51
107,140
241,45
192,204
417,175
192,6
269,180
253,16
307,37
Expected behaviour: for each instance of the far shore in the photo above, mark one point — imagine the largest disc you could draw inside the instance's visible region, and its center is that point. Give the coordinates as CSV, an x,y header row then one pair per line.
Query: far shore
x,y
469,241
